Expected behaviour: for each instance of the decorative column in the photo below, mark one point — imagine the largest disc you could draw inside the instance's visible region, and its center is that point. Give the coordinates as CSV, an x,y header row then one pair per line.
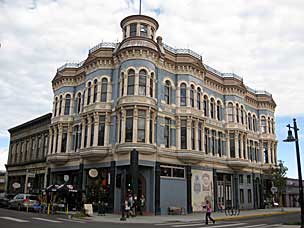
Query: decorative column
x,y
125,85
195,99
188,97
189,123
272,151
123,126
107,129
269,152
50,141
177,100
178,133
148,85
228,144
196,135
83,124
147,127
118,133
99,84
89,131
54,142
138,29
242,145
236,143
136,83
63,106
69,136
135,124
96,125
153,127
72,104
203,137
109,91
59,143
246,149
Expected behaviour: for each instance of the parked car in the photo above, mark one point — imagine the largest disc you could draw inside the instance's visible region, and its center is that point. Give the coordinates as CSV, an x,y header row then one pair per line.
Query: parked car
x,y
23,201
5,198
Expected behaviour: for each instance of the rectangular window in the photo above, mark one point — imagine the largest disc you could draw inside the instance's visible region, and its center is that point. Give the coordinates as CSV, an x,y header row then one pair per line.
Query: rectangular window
x,y
167,132
193,135
213,142
129,126
74,139
21,152
172,171
239,144
101,130
38,147
86,134
183,134
26,149
64,140
206,141
249,196
232,145
199,136
33,148
265,148
45,145
241,179
219,142
92,132
131,81
151,129
248,179
133,28
141,126
242,196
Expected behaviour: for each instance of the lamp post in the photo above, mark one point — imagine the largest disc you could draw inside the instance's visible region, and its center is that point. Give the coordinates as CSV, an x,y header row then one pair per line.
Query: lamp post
x,y
290,138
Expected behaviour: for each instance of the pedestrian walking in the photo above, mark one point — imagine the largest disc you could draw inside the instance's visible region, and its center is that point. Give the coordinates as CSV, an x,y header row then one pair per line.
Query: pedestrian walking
x,y
208,212
142,202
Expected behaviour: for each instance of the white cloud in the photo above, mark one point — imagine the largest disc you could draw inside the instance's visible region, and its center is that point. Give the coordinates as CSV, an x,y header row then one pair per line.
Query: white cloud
x,y
263,41
3,158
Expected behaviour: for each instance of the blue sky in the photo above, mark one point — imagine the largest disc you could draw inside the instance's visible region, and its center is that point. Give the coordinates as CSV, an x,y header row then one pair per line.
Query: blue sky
x,y
252,38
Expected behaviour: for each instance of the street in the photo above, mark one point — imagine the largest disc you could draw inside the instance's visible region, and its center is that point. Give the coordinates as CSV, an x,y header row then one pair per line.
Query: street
x,y
16,219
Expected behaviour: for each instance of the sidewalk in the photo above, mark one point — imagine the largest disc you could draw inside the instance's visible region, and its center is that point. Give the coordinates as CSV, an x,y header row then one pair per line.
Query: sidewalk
x,y
115,218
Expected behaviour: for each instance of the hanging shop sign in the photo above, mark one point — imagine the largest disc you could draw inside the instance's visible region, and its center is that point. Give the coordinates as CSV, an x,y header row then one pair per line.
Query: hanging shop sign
x,y
16,185
66,178
93,173
31,175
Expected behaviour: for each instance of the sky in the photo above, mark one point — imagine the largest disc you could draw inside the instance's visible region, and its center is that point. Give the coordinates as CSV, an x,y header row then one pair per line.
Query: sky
x,y
261,41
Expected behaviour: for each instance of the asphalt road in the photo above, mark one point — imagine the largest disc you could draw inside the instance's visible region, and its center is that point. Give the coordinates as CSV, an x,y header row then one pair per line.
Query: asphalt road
x,y
16,219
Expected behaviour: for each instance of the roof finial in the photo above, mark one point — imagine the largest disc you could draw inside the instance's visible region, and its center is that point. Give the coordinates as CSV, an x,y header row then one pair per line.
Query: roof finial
x,y
139,7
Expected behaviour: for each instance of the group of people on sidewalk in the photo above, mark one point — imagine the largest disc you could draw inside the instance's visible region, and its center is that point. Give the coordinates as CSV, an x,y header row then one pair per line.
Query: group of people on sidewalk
x,y
134,205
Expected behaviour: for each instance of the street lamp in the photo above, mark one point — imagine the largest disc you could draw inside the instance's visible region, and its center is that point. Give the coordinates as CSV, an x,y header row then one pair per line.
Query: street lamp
x,y
290,138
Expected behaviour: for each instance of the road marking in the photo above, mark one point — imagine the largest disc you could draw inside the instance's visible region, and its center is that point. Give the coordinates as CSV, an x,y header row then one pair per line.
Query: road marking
x,y
258,225
189,224
227,225
169,223
70,220
14,219
47,220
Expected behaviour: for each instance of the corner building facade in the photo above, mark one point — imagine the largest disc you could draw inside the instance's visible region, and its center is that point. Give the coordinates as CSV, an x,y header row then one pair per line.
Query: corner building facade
x,y
199,133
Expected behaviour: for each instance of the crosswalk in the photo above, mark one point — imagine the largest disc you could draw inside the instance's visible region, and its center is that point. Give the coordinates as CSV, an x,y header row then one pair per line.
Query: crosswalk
x,y
39,219
196,224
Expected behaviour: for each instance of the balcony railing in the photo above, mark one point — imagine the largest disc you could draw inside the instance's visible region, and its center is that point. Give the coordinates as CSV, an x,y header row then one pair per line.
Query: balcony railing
x,y
70,65
182,51
103,45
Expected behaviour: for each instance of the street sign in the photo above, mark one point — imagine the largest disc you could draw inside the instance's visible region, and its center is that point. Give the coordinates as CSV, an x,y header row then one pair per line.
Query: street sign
x,y
32,175
16,185
274,190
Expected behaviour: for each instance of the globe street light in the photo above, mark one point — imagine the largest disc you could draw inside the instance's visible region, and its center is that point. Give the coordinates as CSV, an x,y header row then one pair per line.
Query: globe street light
x,y
295,139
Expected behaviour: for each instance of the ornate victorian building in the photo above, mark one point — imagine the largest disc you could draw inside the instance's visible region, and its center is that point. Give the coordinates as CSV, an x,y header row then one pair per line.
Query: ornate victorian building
x,y
200,134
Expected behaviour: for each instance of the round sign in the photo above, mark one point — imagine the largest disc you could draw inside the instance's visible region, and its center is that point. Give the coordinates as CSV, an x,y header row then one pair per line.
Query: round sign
x,y
16,185
66,178
29,185
93,173
274,190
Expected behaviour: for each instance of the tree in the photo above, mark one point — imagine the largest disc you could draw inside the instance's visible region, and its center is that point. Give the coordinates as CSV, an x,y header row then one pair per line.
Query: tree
x,y
280,179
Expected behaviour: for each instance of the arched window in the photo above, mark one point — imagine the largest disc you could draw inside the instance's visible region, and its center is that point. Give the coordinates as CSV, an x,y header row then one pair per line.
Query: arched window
x,y
67,104
104,89
218,110
212,108
167,92
263,124
95,90
206,106
142,82
151,84
237,113
89,93
198,98
78,103
242,115
254,126
230,112
131,78
60,105
192,96
183,94
56,104
249,121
